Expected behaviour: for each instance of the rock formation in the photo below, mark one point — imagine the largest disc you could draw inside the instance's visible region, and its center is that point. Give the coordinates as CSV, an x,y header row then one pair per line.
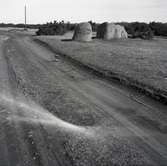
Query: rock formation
x,y
109,31
83,32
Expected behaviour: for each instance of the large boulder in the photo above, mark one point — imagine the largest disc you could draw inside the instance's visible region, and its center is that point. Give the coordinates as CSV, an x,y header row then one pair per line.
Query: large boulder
x,y
120,32
83,32
106,31
109,31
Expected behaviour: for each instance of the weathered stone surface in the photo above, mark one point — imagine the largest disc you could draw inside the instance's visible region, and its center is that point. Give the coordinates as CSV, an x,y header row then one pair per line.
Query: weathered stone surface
x,y
83,32
109,31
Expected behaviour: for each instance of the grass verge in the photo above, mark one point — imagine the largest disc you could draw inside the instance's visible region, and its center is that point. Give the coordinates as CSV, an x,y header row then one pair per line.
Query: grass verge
x,y
148,78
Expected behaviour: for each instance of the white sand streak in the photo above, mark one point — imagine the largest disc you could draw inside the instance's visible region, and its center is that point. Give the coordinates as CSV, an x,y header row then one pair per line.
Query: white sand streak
x,y
3,37
33,113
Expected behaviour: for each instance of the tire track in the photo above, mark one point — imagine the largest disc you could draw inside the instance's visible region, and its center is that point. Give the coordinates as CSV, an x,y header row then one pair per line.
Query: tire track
x,y
37,145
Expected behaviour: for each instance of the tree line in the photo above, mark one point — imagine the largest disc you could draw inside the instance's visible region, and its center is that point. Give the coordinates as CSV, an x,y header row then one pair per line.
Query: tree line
x,y
139,29
134,29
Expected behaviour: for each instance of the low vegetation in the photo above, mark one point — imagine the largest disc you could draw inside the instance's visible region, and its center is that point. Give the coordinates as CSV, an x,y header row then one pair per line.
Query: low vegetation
x,y
134,29
139,30
55,28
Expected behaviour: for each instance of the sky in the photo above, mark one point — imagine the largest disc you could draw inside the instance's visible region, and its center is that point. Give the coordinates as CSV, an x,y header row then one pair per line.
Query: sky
x,y
42,11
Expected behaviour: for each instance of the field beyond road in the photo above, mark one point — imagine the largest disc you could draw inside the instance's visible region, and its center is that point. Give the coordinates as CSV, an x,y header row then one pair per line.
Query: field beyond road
x,y
136,62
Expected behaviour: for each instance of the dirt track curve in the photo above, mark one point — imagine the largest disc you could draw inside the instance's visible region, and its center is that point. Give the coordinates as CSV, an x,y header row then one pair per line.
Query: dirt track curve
x,y
54,113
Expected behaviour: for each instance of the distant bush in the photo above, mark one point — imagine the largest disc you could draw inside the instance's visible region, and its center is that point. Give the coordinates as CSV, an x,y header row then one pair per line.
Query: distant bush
x,y
153,28
134,29
148,35
55,28
45,31
159,29
139,30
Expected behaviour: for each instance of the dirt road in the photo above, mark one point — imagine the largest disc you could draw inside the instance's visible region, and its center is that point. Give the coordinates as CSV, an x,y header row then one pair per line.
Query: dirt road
x,y
53,112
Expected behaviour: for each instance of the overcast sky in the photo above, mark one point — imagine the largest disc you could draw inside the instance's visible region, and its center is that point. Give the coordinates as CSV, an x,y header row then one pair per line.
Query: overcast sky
x,y
41,11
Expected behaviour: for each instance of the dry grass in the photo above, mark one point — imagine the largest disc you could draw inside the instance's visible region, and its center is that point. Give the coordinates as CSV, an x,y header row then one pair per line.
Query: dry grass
x,y
18,30
142,61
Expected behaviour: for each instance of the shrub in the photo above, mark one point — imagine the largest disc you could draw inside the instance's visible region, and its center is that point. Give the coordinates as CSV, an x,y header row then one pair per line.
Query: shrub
x,y
139,30
158,28
55,28
45,31
148,35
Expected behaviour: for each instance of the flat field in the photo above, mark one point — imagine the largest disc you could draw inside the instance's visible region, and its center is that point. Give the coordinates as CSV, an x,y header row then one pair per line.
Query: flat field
x,y
141,63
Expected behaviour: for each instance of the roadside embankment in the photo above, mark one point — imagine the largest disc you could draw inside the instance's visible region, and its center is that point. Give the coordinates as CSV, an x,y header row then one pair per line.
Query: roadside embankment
x,y
136,63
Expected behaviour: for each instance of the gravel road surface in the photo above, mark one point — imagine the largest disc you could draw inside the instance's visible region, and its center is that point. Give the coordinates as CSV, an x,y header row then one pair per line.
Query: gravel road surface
x,y
55,113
